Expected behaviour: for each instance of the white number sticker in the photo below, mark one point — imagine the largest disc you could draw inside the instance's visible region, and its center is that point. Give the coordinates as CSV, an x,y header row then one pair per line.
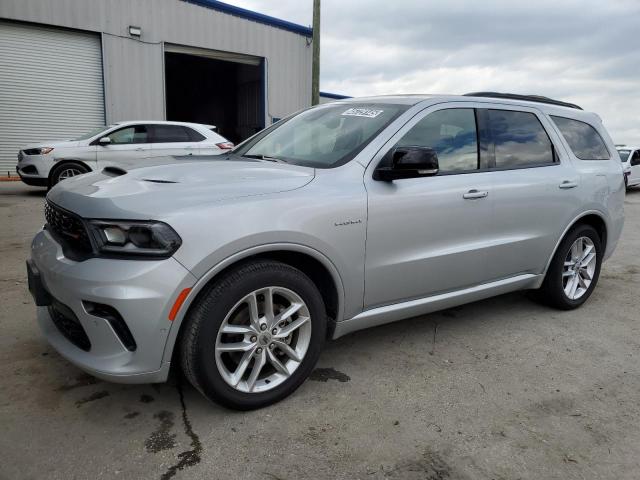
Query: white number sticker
x,y
362,112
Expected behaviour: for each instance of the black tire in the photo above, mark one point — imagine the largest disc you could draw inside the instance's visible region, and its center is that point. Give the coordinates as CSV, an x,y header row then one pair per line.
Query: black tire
x,y
552,292
54,177
197,341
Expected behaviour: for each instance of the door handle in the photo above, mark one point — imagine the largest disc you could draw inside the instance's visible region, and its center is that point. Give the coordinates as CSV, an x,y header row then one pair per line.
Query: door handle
x,y
139,149
475,194
566,184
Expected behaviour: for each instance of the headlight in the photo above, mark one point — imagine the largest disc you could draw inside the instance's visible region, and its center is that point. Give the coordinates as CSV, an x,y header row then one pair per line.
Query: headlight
x,y
38,151
134,238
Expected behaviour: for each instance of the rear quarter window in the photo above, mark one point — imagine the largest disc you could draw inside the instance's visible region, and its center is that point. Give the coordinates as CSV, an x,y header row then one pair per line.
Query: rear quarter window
x,y
584,140
193,135
624,154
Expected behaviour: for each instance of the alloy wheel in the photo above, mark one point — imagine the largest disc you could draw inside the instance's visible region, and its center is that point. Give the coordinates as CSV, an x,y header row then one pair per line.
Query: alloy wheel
x,y
263,339
68,173
579,268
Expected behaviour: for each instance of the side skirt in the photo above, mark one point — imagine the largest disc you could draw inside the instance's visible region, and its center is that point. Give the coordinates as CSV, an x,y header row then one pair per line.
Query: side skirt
x,y
421,306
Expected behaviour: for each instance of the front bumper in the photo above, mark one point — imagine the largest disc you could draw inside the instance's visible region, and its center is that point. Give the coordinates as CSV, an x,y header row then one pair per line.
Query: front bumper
x,y
141,291
33,179
34,169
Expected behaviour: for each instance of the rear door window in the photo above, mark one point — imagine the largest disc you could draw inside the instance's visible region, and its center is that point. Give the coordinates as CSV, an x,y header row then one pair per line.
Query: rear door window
x,y
519,138
170,134
584,140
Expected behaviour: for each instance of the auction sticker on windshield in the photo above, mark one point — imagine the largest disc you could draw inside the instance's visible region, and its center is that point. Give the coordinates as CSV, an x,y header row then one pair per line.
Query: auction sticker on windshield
x,y
362,112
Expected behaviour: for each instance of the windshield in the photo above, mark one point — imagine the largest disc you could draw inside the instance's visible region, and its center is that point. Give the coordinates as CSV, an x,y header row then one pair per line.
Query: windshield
x,y
322,137
93,133
624,154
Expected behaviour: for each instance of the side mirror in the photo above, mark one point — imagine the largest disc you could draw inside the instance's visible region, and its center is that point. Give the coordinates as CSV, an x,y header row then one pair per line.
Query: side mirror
x,y
104,141
635,161
409,162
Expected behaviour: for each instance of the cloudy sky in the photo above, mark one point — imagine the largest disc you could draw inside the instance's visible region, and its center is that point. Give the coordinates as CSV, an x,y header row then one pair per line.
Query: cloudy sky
x,y
582,51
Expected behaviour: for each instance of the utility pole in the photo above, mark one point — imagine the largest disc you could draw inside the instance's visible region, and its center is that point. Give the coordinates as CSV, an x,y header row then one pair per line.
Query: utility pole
x,y
315,71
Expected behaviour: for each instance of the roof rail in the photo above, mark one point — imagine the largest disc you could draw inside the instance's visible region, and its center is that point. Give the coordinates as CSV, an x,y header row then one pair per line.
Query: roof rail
x,y
528,98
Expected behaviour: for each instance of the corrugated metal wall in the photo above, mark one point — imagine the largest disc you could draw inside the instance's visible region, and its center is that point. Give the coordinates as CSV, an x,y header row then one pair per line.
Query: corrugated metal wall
x,y
50,86
134,79
130,63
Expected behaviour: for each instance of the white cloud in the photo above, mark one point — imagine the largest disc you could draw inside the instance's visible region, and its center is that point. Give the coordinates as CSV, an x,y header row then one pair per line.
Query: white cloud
x,y
582,51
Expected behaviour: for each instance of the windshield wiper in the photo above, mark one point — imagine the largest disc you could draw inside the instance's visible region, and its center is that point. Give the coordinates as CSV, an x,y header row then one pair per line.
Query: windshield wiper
x,y
265,157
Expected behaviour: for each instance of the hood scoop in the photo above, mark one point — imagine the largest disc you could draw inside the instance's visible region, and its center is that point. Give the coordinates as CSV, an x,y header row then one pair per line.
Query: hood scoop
x,y
114,171
153,180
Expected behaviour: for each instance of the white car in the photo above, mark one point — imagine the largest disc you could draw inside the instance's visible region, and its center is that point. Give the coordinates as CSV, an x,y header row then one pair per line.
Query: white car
x,y
630,157
124,145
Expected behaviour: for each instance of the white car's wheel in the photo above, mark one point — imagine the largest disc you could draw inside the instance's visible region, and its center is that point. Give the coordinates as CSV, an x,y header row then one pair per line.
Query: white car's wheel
x,y
66,170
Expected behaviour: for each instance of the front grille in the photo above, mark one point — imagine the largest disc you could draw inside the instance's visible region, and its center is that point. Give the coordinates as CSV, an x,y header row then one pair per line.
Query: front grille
x,y
68,324
69,230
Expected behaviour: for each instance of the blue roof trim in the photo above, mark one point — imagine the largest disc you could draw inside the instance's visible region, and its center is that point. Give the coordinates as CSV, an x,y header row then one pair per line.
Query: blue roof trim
x,y
255,16
335,96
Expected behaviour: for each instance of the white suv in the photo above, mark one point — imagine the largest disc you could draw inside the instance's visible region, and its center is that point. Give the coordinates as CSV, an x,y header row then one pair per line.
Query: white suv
x,y
630,157
123,144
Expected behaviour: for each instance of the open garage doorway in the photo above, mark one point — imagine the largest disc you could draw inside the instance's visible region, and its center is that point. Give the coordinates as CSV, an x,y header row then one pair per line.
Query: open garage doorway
x,y
215,88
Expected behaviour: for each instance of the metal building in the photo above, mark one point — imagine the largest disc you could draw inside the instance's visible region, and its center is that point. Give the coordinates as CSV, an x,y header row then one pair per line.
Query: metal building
x,y
68,66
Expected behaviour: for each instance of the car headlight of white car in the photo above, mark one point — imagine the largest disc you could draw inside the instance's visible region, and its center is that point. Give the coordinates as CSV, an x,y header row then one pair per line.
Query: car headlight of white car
x,y
38,151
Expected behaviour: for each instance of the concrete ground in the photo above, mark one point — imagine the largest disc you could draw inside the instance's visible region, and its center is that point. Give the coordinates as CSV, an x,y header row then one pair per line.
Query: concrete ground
x,y
500,389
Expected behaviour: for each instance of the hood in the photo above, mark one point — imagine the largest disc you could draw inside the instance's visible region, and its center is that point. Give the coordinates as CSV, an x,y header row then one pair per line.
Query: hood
x,y
56,144
163,190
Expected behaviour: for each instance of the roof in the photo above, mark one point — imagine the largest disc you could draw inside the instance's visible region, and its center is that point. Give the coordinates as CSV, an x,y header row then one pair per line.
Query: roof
x,y
254,16
553,108
161,122
406,99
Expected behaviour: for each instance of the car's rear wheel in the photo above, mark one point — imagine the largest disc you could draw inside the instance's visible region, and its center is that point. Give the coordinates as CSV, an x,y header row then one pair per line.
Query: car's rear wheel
x,y
66,170
574,270
254,335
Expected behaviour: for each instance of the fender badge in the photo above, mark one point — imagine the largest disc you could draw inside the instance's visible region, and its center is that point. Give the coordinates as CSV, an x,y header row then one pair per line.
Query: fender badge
x,y
347,222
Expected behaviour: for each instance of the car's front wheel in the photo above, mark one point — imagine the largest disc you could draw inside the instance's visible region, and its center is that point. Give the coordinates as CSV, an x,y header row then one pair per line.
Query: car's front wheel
x,y
574,269
66,170
254,335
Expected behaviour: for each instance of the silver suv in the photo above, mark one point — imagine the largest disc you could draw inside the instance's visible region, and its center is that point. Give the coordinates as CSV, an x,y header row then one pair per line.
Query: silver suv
x,y
344,216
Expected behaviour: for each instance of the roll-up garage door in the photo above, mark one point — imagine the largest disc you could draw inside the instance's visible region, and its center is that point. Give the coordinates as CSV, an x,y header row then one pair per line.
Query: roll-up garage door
x,y
214,54
50,87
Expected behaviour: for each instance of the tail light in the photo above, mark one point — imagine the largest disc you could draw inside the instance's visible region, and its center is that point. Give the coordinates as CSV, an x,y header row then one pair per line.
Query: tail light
x,y
225,145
